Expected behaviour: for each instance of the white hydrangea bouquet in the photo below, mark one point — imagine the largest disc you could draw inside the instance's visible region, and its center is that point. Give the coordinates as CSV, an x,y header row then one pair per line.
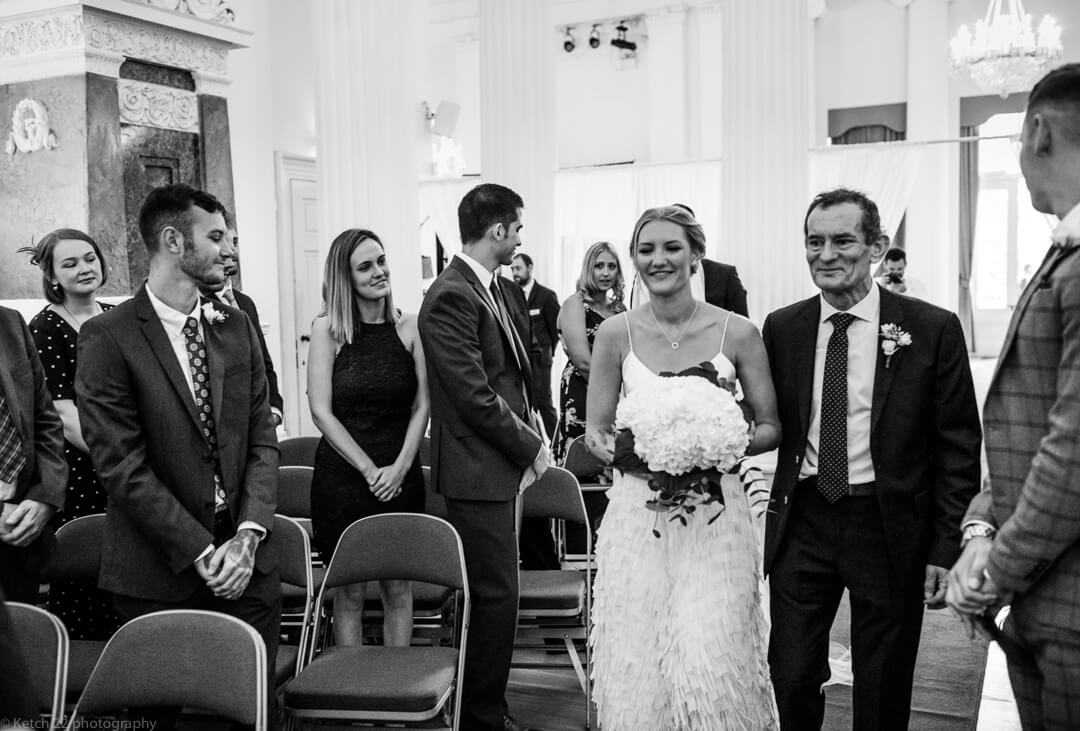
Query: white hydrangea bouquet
x,y
681,433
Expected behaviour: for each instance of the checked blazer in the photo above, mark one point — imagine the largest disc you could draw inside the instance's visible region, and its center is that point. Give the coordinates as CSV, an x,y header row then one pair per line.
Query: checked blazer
x,y
1032,423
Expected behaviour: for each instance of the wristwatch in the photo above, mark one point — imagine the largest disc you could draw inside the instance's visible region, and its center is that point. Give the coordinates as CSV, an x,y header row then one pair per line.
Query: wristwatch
x,y
976,530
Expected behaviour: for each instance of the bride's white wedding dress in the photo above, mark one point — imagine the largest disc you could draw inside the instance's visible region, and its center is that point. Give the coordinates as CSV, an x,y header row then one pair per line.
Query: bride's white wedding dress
x,y
679,635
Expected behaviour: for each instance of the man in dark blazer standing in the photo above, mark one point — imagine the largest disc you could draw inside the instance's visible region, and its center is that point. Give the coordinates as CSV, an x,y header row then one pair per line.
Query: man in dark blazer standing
x,y
226,293
33,469
879,457
483,449
1022,535
543,307
174,407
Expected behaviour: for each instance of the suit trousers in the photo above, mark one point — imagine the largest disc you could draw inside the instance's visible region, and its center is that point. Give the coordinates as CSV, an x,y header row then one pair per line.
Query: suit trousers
x,y
541,395
491,557
827,548
20,568
1046,682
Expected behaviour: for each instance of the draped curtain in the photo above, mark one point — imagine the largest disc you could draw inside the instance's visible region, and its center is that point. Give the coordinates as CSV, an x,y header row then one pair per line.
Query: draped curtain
x,y
969,199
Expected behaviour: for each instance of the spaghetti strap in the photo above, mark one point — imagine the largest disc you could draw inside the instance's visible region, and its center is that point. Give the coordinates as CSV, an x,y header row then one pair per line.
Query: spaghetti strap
x,y
628,336
724,334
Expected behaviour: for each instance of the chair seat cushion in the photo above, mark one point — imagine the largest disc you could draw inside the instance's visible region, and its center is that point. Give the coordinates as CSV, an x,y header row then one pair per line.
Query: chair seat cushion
x,y
82,656
285,666
552,591
359,679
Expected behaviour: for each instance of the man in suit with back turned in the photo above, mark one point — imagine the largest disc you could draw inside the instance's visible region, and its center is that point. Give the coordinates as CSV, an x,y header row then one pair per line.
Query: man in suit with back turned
x,y
1022,535
879,456
174,407
483,449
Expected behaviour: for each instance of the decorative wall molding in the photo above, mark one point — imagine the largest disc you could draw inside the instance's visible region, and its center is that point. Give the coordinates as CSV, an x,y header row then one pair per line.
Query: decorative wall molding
x,y
217,11
153,105
70,40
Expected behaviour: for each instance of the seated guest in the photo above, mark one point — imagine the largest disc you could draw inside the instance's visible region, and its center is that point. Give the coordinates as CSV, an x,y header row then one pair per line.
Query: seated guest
x,y
367,387
73,271
230,295
33,472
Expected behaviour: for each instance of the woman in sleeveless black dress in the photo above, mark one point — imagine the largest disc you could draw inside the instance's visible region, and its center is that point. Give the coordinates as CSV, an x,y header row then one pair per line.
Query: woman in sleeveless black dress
x,y
367,387
73,271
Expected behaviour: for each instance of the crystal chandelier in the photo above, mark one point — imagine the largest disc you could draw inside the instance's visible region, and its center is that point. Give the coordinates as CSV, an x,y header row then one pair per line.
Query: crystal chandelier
x,y
1004,55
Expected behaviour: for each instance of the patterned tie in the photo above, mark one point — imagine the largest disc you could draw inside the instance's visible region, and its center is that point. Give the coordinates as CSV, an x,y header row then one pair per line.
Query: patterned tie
x,y
832,478
200,377
12,459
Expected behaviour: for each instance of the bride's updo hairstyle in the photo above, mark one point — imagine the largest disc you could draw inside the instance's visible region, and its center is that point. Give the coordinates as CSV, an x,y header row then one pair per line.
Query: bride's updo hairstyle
x,y
681,216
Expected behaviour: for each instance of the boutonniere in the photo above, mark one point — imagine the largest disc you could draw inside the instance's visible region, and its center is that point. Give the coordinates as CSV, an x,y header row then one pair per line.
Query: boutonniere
x,y
892,339
212,314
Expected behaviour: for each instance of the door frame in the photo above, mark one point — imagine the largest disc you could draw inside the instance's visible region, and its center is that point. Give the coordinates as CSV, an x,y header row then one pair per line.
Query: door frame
x,y
287,170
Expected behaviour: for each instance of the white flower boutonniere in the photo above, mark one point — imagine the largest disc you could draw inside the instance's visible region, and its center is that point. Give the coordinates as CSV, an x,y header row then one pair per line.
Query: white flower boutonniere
x,y
212,314
892,339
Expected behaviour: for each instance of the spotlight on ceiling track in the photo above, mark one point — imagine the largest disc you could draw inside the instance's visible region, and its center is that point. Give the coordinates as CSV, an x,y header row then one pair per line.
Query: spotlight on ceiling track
x,y
568,41
620,41
594,36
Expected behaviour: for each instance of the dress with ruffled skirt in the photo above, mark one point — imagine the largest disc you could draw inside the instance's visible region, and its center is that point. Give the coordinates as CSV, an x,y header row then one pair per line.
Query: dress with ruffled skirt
x,y
679,634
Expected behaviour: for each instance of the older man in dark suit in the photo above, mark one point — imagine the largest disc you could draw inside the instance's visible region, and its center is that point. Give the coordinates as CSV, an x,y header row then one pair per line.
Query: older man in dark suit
x,y
879,456
1022,535
33,470
483,447
174,407
543,308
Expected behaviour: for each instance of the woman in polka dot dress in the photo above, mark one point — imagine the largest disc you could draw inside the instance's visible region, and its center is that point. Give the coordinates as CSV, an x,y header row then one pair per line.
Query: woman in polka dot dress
x,y
73,272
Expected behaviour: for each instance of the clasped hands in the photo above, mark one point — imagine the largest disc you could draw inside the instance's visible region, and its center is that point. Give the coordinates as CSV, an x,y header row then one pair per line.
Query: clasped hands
x,y
24,522
972,591
386,482
227,570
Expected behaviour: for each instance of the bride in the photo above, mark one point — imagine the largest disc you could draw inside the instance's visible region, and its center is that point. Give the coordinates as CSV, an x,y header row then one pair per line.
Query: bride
x,y
679,634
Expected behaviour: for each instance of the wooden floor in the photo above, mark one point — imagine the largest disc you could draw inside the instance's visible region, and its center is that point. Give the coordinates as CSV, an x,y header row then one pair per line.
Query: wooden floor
x,y
550,699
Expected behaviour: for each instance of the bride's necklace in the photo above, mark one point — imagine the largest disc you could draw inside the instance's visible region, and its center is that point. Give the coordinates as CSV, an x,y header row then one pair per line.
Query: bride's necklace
x,y
675,342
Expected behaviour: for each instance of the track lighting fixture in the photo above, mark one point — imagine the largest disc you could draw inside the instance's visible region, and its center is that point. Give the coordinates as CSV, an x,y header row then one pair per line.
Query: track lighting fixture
x,y
594,36
620,41
568,41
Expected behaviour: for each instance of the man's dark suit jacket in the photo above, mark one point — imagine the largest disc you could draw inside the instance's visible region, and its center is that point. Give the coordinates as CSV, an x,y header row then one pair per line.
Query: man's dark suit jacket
x,y
924,434
543,302
247,304
145,438
22,379
480,443
723,288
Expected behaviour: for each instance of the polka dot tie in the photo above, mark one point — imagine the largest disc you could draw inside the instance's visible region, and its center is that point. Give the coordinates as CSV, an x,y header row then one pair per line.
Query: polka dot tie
x,y
200,377
832,478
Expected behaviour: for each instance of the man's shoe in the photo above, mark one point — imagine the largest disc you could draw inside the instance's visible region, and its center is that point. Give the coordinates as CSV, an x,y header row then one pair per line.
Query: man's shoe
x,y
509,724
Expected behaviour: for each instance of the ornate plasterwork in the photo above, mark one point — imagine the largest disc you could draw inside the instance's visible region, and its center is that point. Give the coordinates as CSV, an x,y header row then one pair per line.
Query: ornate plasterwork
x,y
156,44
30,129
215,10
153,105
31,36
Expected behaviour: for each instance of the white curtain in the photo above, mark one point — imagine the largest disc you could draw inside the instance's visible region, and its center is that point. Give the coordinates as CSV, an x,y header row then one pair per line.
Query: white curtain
x,y
438,214
887,173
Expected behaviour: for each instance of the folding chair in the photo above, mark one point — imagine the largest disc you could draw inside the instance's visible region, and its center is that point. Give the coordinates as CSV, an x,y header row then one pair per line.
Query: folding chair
x,y
388,684
43,642
580,462
78,556
298,451
294,563
294,493
558,603
180,657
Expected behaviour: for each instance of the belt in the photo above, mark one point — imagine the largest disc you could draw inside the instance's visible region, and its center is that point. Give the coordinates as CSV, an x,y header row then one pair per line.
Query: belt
x,y
862,489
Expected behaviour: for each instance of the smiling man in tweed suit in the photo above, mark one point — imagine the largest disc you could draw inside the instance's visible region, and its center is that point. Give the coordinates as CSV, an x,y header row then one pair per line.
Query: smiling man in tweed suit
x,y
1022,535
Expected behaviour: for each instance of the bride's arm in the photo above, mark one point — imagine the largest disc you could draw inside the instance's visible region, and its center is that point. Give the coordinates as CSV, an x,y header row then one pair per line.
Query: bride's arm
x,y
752,370
605,381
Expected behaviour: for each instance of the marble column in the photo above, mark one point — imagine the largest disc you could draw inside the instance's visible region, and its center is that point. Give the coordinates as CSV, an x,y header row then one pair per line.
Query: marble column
x,y
933,113
517,115
368,123
766,82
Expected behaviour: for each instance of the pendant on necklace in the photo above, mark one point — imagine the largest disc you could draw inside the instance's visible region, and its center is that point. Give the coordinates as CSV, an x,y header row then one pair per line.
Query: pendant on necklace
x,y
674,346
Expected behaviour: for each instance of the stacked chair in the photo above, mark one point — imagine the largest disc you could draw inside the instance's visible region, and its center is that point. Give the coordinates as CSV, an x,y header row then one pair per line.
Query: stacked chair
x,y
294,563
378,684
298,451
43,643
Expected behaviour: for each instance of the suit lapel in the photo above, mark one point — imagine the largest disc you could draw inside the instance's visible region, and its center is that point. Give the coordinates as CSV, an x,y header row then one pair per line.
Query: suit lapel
x,y
7,386
485,296
803,343
892,312
155,335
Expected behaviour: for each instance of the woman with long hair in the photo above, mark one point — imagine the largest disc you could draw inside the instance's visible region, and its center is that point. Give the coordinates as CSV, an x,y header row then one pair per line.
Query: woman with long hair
x,y
367,388
73,271
598,295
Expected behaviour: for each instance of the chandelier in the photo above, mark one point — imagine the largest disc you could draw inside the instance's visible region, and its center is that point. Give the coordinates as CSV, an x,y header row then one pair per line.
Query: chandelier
x,y
1004,55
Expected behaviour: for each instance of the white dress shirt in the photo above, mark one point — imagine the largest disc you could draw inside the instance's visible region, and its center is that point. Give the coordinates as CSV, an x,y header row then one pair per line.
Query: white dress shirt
x,y
173,322
862,365
1068,227
527,290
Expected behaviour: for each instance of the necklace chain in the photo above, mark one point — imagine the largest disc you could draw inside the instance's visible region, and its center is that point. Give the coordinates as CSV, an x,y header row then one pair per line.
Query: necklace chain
x,y
675,342
74,320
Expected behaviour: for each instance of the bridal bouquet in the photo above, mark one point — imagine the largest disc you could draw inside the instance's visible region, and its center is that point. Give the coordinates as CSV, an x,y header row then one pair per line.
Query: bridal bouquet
x,y
681,433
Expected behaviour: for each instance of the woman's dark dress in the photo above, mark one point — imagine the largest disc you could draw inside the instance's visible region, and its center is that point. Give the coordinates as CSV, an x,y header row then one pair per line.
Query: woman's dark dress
x,y
374,385
573,387
86,610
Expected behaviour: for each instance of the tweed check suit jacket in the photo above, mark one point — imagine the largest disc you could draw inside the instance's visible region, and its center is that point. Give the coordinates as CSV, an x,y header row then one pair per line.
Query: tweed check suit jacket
x,y
1032,435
